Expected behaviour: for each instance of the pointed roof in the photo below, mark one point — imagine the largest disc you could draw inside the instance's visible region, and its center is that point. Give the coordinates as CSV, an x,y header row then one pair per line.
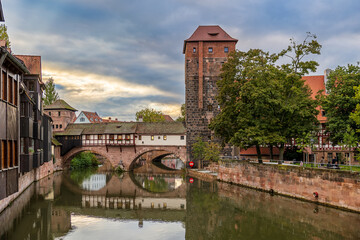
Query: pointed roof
x,y
209,34
2,19
93,117
60,105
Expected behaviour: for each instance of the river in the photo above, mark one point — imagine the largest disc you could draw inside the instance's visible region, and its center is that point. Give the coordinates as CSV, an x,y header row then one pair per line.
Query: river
x,y
100,205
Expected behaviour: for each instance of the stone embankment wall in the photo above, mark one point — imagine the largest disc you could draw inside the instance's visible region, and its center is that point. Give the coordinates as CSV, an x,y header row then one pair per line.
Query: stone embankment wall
x,y
26,179
335,188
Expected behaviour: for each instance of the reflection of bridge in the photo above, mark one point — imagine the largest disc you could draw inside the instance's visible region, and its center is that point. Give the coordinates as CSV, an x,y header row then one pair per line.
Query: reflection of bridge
x,y
122,144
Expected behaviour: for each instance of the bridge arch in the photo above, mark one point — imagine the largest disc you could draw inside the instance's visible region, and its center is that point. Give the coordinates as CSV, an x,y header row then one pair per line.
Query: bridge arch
x,y
154,154
73,152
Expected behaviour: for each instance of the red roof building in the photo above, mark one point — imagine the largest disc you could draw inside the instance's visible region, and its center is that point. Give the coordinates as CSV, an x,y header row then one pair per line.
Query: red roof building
x,y
88,117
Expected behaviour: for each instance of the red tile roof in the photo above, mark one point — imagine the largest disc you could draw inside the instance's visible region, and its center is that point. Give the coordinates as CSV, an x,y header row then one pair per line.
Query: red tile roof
x,y
92,116
209,34
316,83
33,63
264,151
168,118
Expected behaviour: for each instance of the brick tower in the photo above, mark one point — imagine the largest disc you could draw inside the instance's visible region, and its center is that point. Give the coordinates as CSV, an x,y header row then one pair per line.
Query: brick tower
x,y
205,52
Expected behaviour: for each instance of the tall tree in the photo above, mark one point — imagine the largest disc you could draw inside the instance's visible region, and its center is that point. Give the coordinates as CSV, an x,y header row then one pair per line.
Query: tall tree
x,y
183,113
50,94
4,35
150,115
341,102
265,104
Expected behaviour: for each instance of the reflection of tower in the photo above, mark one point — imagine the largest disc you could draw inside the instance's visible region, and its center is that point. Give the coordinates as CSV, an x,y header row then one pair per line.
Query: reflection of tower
x,y
205,52
60,222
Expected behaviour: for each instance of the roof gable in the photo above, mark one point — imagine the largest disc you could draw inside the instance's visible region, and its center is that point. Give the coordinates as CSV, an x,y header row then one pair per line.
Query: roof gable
x,y
60,105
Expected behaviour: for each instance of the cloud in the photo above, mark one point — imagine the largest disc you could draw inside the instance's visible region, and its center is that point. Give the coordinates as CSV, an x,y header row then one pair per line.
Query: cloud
x,y
130,52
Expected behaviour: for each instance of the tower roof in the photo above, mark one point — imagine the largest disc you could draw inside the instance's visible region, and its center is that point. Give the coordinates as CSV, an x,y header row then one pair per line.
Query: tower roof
x,y
209,34
60,105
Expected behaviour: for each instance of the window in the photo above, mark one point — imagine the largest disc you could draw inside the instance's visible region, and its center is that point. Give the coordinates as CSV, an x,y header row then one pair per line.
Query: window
x,y
53,126
226,49
119,137
323,113
140,137
22,146
49,113
59,113
10,91
210,49
87,137
100,137
182,137
158,137
60,125
57,126
165,137
152,138
209,107
111,136
82,119
194,50
127,136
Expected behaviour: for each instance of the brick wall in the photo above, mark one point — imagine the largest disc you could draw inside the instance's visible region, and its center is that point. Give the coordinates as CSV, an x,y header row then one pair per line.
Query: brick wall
x,y
26,179
336,188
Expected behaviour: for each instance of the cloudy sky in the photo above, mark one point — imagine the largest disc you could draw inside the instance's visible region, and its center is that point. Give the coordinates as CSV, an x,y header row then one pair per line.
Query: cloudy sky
x,y
116,57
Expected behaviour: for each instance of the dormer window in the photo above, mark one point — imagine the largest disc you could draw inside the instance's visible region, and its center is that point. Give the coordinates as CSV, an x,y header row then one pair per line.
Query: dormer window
x,y
82,119
210,50
226,49
194,50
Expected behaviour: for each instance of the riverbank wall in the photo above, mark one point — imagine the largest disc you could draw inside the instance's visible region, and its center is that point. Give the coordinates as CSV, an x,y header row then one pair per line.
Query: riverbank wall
x,y
26,179
329,187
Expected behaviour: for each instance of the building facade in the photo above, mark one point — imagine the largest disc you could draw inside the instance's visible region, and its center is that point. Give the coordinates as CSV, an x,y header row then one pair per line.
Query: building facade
x,y
88,117
205,52
61,114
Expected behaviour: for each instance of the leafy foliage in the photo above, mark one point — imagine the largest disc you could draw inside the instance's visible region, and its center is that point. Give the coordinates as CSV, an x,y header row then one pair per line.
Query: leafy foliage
x,y
263,103
183,114
342,101
84,160
150,115
50,94
208,151
4,35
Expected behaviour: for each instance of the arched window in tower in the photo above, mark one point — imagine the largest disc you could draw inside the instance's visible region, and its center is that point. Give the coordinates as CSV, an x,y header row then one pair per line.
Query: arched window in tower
x,y
194,50
226,49
210,50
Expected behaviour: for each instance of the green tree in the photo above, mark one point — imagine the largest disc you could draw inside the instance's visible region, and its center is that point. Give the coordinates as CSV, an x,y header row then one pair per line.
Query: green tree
x,y
50,94
183,113
4,35
265,104
208,151
341,104
150,115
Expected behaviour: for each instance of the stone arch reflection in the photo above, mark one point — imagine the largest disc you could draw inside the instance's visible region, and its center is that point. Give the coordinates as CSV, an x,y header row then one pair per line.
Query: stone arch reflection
x,y
157,183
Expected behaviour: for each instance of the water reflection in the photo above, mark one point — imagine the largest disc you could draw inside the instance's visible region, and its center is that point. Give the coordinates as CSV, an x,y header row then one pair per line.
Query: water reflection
x,y
62,208
159,183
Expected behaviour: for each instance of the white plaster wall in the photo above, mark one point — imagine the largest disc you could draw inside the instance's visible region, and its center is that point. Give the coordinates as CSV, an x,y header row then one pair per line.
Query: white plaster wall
x,y
171,140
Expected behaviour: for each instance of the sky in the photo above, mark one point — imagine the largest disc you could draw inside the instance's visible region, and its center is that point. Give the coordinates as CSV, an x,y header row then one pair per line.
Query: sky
x,y
116,57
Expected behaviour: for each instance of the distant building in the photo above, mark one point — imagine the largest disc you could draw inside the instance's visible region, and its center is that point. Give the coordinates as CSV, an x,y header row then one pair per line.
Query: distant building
x,y
205,52
35,127
168,118
109,119
61,113
88,117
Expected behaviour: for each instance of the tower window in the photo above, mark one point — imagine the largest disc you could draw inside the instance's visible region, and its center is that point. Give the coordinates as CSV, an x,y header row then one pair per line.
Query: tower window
x,y
210,107
226,49
59,114
210,50
194,50
323,113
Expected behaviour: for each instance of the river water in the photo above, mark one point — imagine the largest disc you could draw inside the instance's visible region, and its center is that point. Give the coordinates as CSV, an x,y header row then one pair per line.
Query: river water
x,y
99,205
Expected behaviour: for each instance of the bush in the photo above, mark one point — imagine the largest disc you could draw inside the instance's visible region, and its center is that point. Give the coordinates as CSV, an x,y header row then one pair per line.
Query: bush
x,y
84,160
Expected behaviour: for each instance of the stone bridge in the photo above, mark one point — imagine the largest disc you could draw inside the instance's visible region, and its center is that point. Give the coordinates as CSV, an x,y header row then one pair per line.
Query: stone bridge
x,y
126,156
